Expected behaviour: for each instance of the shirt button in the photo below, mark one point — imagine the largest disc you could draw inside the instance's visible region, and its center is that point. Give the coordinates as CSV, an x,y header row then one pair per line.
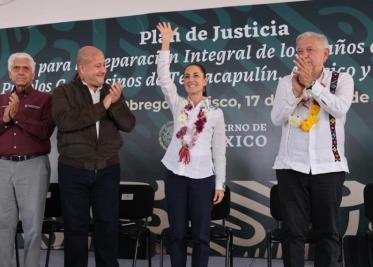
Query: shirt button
x,y
15,147
16,122
15,133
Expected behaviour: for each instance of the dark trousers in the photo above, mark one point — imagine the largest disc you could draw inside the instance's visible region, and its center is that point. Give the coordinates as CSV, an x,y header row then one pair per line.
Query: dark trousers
x,y
81,189
188,198
306,200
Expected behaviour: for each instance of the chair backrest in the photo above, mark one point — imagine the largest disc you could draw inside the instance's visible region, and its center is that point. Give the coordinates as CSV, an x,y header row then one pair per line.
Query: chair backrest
x,y
53,202
274,203
221,210
368,201
136,201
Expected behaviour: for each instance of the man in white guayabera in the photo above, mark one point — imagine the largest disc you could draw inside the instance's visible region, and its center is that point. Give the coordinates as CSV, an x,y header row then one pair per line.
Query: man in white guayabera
x,y
311,105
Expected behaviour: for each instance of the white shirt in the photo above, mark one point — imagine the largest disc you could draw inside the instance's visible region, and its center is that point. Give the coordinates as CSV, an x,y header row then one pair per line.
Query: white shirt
x,y
312,151
208,154
95,98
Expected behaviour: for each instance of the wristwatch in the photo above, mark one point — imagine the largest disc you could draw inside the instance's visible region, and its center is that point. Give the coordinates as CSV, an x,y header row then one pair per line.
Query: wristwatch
x,y
312,83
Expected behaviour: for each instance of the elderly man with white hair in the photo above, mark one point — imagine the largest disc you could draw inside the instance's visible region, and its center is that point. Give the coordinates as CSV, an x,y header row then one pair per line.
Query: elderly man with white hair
x,y
311,106
26,125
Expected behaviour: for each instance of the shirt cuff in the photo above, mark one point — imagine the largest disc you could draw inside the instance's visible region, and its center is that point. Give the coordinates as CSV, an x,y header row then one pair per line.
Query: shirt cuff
x,y
317,89
220,186
292,100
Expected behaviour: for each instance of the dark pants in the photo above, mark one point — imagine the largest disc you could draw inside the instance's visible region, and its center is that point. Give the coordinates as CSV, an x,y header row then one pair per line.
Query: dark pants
x,y
81,189
306,200
189,198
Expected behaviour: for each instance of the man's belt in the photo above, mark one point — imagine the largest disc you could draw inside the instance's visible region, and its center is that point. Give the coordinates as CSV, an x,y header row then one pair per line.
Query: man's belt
x,y
18,157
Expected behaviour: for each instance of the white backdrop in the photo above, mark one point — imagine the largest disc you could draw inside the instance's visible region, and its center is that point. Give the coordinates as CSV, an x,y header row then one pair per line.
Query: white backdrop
x,y
16,13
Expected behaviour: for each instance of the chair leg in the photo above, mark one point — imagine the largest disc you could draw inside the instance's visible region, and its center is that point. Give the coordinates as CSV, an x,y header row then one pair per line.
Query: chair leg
x,y
51,231
342,253
16,248
149,247
231,248
136,248
269,250
161,254
227,247
369,251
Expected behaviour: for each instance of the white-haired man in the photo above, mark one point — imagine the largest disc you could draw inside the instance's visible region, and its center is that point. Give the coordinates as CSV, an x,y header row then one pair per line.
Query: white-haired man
x,y
311,106
25,128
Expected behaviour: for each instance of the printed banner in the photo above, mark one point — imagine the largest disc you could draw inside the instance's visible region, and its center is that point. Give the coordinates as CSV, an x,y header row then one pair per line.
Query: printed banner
x,y
245,50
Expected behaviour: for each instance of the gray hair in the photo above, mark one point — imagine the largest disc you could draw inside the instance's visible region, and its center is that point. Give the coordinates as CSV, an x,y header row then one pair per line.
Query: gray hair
x,y
319,36
21,55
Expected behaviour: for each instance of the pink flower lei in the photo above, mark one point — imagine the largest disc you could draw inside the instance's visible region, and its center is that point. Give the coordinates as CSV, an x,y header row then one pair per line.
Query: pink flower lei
x,y
184,152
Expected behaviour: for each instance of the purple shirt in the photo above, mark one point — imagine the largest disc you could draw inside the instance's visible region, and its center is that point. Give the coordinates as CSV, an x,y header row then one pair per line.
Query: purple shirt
x,y
29,131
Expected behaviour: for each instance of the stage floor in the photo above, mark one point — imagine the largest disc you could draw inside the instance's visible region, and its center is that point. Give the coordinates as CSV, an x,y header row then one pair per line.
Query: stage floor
x,y
56,260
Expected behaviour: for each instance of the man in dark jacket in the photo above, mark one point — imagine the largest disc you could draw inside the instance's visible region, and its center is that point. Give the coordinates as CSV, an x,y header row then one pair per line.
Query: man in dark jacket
x,y
89,115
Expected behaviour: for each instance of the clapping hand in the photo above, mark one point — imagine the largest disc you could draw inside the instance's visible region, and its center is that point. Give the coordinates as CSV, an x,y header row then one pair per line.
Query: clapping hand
x,y
303,71
113,96
11,110
297,86
116,92
13,105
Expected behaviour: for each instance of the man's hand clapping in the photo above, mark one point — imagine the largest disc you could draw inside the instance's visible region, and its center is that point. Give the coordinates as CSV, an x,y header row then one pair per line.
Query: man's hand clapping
x,y
303,71
11,110
114,94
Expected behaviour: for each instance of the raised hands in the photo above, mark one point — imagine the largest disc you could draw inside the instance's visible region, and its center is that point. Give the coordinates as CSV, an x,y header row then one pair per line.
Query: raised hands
x,y
116,92
114,95
11,110
14,105
304,71
166,33
297,86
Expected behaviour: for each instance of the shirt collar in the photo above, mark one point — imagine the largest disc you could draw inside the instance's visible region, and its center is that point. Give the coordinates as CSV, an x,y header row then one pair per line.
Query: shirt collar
x,y
26,91
204,103
90,89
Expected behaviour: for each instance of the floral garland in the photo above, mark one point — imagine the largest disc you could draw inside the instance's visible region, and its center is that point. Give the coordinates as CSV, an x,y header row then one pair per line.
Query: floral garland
x,y
307,124
184,152
312,119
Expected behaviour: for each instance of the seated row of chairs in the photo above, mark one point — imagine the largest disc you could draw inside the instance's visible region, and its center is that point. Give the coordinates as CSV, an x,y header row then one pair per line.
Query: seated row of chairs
x,y
135,209
52,221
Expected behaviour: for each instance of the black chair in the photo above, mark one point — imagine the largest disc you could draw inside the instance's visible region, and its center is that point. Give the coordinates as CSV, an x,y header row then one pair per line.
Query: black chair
x,y
52,221
368,205
218,231
275,235
136,207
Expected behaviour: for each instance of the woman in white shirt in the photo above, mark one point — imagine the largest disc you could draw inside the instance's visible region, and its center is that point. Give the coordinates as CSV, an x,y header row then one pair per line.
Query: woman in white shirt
x,y
195,159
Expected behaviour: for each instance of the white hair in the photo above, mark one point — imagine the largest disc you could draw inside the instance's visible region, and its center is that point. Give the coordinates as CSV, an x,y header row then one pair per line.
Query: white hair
x,y
21,55
319,36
